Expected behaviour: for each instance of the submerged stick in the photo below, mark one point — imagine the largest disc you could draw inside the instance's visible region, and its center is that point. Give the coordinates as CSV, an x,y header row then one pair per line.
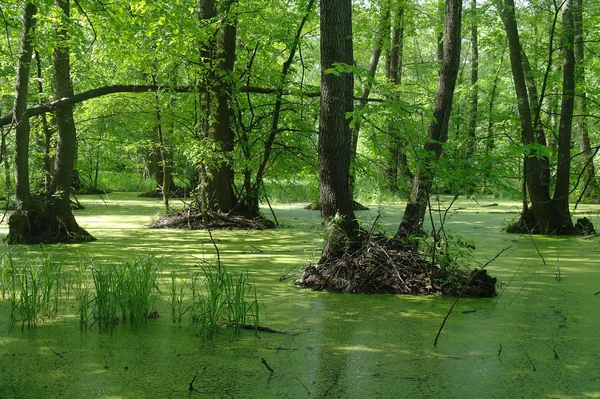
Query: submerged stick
x,y
529,358
263,361
49,347
535,245
462,291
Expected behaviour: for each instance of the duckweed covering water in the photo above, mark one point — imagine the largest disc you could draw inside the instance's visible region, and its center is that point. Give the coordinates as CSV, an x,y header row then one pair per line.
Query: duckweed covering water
x,y
338,345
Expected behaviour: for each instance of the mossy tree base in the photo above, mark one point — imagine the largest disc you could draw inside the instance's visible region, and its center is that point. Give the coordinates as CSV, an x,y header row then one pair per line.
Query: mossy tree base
x,y
42,223
527,224
379,264
316,206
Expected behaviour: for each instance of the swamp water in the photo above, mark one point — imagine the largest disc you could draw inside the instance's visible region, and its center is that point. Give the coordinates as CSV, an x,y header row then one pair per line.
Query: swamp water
x,y
538,338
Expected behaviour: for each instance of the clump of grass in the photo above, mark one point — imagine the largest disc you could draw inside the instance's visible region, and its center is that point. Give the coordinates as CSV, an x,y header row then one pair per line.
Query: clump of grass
x,y
33,288
127,290
222,298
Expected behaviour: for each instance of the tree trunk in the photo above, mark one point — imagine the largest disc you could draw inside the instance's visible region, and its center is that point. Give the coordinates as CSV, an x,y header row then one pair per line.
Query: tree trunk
x,y
217,188
592,189
50,219
19,224
335,135
64,226
161,156
563,167
541,217
21,121
414,214
48,133
397,161
472,131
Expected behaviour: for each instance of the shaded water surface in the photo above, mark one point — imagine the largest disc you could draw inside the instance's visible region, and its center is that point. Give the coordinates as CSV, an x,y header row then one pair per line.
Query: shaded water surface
x,y
538,338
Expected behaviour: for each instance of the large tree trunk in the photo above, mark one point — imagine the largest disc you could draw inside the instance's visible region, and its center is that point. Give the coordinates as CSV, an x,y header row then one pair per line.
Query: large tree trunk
x,y
541,217
50,219
217,188
19,224
591,187
335,135
563,168
414,214
64,227
20,106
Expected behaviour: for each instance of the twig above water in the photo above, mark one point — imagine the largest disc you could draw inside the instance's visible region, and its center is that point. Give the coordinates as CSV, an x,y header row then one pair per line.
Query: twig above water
x,y
462,291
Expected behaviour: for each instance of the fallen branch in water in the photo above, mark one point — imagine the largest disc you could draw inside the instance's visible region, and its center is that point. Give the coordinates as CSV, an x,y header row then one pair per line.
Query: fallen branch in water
x,y
529,358
263,361
461,292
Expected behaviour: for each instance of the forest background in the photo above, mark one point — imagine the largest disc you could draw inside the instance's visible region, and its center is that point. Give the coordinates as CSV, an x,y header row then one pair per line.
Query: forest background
x,y
221,99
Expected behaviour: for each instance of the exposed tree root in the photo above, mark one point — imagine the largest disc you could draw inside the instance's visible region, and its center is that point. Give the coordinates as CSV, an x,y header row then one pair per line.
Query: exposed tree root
x,y
384,265
194,219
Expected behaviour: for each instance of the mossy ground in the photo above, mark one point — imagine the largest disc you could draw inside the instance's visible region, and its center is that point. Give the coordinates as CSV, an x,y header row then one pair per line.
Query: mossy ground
x,y
344,345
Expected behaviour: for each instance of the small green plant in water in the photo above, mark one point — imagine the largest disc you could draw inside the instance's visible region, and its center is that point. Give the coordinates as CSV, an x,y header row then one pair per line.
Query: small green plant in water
x,y
127,290
33,288
222,298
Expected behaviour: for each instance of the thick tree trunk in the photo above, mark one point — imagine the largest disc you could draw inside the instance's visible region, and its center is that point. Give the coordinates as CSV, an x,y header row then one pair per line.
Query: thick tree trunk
x,y
592,188
335,135
542,216
19,226
216,188
563,168
20,120
414,214
220,184
50,219
64,225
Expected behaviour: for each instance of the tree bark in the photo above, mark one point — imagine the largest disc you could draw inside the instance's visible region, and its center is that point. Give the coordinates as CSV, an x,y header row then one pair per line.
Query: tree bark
x,y
335,135
49,219
472,131
220,184
48,133
218,55
563,167
541,217
414,214
592,189
20,119
65,225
